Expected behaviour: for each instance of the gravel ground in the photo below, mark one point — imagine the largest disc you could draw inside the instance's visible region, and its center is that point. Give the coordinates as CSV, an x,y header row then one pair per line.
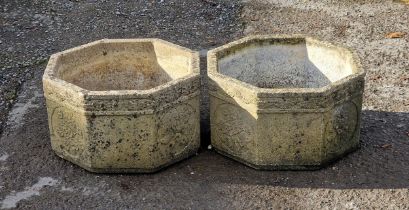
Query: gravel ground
x,y
361,25
32,177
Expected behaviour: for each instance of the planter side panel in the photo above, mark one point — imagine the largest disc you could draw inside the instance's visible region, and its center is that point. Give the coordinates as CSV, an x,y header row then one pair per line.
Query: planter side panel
x,y
68,135
144,142
290,139
342,129
233,130
121,141
177,132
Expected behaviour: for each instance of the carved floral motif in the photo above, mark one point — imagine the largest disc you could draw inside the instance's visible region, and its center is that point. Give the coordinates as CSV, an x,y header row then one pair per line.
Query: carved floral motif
x,y
233,128
345,120
177,129
64,124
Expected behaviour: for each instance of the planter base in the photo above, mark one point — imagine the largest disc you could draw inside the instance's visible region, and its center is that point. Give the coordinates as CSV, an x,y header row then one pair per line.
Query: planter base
x,y
287,167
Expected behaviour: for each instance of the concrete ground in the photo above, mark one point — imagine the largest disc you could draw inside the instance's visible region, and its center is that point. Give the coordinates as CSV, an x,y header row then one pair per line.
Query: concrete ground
x,y
33,177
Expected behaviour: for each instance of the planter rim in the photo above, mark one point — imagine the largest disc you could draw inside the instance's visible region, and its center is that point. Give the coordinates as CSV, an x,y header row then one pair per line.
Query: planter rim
x,y
212,65
52,64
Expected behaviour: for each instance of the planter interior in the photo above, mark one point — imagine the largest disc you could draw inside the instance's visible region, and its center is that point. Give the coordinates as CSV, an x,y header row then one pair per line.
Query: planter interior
x,y
291,63
130,66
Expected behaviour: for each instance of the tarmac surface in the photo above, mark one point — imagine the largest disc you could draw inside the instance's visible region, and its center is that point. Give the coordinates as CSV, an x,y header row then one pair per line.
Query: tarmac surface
x,y
33,177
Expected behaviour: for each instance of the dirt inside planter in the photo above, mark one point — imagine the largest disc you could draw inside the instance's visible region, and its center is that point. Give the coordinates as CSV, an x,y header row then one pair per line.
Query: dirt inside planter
x,y
123,66
286,64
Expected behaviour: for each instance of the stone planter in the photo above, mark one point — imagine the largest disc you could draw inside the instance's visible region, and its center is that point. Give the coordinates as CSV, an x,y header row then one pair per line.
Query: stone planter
x,y
123,105
284,102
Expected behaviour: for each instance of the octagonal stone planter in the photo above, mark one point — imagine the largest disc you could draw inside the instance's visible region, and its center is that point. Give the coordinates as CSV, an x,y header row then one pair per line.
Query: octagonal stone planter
x,y
128,105
284,102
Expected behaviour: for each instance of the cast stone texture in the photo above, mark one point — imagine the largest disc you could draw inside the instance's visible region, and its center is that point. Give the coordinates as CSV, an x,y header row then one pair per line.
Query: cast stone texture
x,y
284,102
127,105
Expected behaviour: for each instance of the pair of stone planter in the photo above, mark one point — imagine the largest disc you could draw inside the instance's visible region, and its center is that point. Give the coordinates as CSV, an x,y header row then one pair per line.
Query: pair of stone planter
x,y
132,105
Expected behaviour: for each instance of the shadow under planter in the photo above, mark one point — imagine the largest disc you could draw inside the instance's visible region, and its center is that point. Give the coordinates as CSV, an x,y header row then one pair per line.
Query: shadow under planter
x,y
128,105
284,102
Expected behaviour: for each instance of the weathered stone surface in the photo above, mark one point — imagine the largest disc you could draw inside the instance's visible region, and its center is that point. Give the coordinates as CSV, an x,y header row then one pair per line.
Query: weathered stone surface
x,y
284,102
127,105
